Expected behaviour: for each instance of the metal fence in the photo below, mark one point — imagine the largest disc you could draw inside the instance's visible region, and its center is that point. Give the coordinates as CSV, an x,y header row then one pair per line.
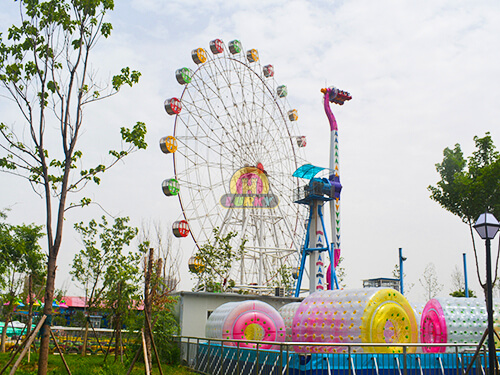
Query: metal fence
x,y
228,357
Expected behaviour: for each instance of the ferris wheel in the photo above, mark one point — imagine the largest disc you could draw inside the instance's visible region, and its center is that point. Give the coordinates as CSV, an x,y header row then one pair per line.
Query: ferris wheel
x,y
235,146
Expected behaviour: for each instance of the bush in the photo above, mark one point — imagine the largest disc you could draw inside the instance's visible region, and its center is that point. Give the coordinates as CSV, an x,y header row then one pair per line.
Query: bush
x,y
165,329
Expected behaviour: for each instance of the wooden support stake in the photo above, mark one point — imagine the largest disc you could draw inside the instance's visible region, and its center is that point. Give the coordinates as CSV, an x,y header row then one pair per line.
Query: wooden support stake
x,y
97,338
60,351
19,348
136,357
109,346
145,349
153,341
26,347
17,339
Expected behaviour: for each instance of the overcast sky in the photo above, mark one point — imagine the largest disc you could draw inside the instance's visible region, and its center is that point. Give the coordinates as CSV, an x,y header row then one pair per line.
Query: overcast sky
x,y
423,76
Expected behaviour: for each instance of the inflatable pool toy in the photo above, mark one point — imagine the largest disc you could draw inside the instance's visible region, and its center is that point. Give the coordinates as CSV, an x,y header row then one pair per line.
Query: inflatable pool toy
x,y
368,315
247,320
418,308
287,312
454,320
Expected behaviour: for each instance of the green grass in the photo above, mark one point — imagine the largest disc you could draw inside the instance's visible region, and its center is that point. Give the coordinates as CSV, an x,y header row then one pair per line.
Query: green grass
x,y
88,365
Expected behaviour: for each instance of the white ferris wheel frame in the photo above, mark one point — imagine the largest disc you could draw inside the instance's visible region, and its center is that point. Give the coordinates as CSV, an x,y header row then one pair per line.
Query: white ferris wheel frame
x,y
232,117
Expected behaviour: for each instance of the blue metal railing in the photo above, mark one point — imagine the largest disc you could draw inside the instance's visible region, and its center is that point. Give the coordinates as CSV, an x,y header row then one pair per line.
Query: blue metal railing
x,y
229,357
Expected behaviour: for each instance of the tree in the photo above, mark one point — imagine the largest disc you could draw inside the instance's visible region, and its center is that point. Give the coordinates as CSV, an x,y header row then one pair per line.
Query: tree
x,y
284,279
153,235
470,187
341,274
122,290
217,258
161,269
45,69
396,275
458,284
90,264
22,256
429,282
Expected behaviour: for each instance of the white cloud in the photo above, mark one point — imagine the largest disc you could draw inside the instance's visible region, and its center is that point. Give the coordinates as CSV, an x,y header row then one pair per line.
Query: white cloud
x,y
423,76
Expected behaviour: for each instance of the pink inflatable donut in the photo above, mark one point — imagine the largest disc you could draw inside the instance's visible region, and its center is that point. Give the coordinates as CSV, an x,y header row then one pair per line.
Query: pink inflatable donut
x,y
433,327
254,326
254,320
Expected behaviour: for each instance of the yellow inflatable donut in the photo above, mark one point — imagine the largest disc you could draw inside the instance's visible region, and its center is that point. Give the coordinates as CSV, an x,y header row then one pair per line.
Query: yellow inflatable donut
x,y
389,318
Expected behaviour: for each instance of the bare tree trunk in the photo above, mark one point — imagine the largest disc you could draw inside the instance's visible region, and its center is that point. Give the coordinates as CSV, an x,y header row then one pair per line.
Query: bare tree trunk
x,y
118,338
30,305
148,308
118,325
47,310
8,316
84,349
30,311
4,332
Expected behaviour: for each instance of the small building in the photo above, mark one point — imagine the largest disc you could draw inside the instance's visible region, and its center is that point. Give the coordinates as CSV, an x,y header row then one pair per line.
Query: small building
x,y
381,282
194,308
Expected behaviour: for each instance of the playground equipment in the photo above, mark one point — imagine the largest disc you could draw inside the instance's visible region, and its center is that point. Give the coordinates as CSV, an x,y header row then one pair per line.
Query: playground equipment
x,y
334,95
314,195
235,140
287,312
418,308
246,320
368,315
454,320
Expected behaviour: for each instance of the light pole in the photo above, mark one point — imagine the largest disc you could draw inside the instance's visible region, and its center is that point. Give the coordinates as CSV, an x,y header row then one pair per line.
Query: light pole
x,y
466,286
487,227
401,275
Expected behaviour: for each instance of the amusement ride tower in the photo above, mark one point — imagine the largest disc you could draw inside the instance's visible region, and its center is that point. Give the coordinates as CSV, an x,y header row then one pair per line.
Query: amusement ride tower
x,y
315,194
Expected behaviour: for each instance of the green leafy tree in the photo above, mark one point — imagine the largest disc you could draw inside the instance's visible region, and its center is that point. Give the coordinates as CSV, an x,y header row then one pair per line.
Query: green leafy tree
x,y
216,259
461,293
166,327
458,284
470,187
102,244
46,72
161,275
122,291
22,256
284,279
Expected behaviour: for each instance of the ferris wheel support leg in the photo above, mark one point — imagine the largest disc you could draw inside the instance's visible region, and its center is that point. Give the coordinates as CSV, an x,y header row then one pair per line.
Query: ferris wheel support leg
x,y
289,228
301,272
304,253
242,263
261,267
229,214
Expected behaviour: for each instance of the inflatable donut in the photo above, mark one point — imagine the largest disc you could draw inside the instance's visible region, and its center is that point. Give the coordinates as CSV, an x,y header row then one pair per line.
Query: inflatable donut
x,y
368,315
452,320
247,320
287,312
418,308
389,318
433,327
